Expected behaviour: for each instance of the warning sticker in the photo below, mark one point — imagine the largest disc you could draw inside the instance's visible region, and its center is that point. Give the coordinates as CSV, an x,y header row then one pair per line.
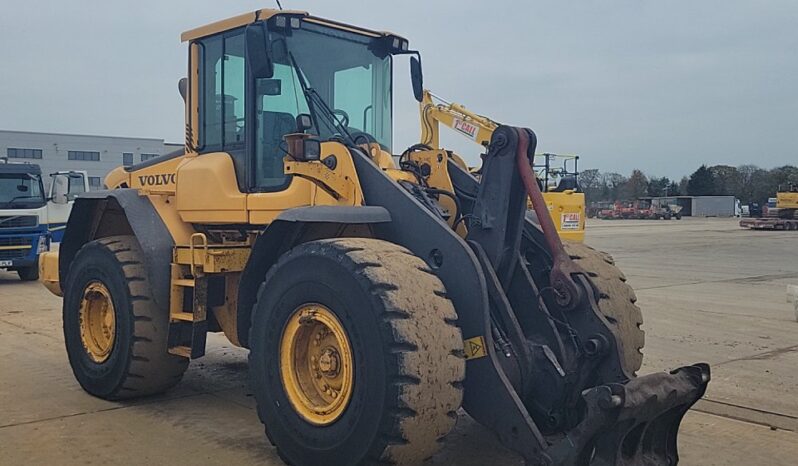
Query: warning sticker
x,y
474,348
466,128
570,221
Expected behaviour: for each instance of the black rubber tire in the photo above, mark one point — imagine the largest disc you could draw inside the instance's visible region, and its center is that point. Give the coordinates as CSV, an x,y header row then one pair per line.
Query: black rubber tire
x,y
616,301
408,356
139,363
29,274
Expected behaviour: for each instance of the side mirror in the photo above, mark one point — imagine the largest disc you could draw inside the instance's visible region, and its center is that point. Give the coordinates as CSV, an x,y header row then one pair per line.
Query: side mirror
x,y
182,88
303,122
417,78
258,56
60,189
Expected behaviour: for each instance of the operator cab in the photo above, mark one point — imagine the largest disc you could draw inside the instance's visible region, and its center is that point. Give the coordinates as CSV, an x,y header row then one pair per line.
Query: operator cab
x,y
255,82
558,179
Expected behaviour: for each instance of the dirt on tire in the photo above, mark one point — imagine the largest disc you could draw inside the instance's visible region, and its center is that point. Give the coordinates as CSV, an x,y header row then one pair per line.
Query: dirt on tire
x,y
616,301
143,366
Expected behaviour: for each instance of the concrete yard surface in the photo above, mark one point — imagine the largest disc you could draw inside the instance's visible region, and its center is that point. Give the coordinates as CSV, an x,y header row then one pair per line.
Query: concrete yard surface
x,y
710,292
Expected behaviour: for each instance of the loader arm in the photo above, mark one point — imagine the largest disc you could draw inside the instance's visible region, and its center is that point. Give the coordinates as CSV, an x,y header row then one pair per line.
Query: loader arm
x,y
551,341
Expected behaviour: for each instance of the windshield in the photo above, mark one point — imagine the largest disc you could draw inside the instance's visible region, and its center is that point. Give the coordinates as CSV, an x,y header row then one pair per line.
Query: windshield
x,y
21,190
345,75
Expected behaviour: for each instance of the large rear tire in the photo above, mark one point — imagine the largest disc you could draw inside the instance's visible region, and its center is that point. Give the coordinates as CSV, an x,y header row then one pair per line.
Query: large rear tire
x,y
616,301
116,336
391,379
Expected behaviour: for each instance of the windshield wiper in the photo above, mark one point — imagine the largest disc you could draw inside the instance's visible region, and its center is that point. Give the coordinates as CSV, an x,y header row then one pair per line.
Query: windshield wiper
x,y
313,97
11,201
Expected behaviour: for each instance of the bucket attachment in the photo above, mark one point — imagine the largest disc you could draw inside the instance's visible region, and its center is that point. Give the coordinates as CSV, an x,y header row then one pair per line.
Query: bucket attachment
x,y
635,423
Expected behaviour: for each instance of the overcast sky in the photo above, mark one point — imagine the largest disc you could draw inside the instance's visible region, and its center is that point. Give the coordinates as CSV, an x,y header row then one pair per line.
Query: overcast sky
x,y
659,85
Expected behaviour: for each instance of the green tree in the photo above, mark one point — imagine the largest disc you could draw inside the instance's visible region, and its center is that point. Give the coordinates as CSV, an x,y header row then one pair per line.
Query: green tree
x,y
701,183
590,182
727,180
660,186
683,186
637,185
673,189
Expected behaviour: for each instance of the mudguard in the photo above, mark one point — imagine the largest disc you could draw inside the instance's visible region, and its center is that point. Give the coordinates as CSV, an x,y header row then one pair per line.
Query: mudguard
x,y
99,214
291,227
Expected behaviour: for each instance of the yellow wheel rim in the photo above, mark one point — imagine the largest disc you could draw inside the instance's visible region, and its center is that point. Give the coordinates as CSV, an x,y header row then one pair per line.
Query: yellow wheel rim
x,y
316,364
97,322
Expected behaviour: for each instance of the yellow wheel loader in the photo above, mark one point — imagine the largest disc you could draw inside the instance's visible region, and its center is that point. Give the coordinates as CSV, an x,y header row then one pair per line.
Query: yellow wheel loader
x,y
375,301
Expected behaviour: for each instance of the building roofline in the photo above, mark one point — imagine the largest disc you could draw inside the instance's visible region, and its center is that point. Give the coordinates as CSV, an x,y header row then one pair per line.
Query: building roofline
x,y
161,140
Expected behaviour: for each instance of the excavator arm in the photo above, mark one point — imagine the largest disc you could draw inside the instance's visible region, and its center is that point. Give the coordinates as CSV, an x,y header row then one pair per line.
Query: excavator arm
x,y
567,207
476,127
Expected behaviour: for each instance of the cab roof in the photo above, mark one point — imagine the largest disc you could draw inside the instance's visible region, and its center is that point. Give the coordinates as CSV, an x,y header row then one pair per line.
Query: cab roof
x,y
16,168
266,13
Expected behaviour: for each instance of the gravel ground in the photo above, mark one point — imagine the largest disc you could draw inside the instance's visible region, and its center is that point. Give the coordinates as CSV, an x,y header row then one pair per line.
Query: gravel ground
x,y
709,290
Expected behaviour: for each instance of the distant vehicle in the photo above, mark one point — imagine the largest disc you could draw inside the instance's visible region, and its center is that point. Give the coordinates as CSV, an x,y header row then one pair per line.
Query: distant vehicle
x,y
754,210
642,209
781,212
29,220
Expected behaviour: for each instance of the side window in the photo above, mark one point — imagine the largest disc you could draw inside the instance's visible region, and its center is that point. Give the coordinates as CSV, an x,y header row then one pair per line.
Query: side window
x,y
234,97
223,83
211,88
279,100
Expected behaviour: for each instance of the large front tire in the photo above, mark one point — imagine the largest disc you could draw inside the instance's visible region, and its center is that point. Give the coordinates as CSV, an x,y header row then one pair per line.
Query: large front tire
x,y
116,336
376,308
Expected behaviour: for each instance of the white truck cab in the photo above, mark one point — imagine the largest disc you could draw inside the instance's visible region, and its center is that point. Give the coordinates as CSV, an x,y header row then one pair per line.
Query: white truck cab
x,y
30,220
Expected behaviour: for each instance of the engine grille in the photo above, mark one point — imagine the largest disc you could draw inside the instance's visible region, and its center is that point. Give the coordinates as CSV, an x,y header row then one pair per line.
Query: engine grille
x,y
14,241
8,254
18,221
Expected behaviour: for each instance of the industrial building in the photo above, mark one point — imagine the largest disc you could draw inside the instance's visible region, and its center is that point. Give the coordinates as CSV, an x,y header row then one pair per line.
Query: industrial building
x,y
700,206
97,155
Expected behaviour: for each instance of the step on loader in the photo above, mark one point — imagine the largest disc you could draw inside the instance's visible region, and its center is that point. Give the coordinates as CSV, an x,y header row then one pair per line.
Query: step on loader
x,y
375,300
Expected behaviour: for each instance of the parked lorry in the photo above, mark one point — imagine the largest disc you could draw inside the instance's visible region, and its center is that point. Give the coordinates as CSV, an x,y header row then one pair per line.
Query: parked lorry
x,y
781,213
30,220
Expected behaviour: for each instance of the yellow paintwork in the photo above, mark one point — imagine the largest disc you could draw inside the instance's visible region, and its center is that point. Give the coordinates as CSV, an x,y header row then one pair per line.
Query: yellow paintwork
x,y
787,200
263,208
439,178
209,191
97,322
48,272
333,183
475,127
227,313
266,13
479,129
218,258
567,205
316,364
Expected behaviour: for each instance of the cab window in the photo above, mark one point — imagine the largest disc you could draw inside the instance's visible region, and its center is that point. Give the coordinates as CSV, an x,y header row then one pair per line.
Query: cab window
x,y
279,101
222,83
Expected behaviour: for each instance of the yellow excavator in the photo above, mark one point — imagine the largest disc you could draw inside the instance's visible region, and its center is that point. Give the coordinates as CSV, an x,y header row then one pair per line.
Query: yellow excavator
x,y
375,300
564,199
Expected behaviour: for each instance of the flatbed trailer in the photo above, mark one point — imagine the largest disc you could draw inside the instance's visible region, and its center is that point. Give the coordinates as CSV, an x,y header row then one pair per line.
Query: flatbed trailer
x,y
769,223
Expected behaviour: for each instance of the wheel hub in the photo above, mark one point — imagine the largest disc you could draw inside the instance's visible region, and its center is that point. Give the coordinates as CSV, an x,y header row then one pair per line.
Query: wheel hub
x,y
316,364
97,322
